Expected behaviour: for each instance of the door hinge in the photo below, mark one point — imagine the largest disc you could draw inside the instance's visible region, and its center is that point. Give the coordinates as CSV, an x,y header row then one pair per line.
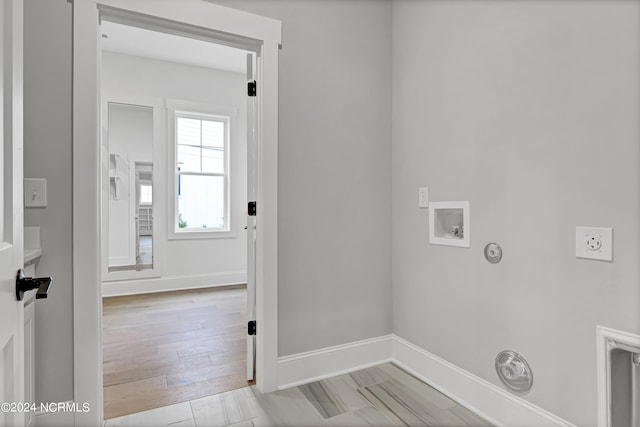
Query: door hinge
x,y
252,88
251,327
252,208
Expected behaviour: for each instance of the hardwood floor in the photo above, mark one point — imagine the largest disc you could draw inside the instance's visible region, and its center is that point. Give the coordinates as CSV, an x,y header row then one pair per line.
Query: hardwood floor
x,y
170,347
383,396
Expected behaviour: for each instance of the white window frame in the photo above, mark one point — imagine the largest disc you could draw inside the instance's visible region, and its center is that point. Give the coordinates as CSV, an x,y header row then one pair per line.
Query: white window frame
x,y
181,108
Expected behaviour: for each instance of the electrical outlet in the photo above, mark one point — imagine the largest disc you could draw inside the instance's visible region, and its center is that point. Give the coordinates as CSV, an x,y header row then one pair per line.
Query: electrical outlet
x,y
594,243
423,197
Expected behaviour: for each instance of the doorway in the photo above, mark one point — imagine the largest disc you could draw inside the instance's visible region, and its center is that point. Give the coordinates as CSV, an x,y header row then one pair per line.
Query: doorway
x,y
175,145
197,19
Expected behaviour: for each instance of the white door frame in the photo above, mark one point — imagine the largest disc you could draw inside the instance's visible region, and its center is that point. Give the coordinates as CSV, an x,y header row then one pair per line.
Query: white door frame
x,y
11,211
230,27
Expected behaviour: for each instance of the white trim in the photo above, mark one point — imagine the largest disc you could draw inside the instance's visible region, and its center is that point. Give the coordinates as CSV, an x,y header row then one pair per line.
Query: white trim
x,y
488,400
119,261
202,14
44,419
173,283
267,218
303,368
192,17
491,402
465,242
606,340
87,301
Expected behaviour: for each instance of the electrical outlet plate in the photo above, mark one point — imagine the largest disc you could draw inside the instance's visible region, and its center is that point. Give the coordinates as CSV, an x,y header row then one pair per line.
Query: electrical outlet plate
x,y
594,243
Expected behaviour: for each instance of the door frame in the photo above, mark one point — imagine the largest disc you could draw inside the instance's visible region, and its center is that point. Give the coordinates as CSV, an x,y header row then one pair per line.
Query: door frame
x,y
228,26
12,209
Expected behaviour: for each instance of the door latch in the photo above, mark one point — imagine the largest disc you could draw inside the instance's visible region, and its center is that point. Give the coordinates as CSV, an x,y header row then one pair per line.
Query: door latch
x,y
24,284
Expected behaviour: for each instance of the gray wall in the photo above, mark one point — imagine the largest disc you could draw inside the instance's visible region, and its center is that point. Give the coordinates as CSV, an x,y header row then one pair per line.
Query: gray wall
x,y
506,104
334,274
47,154
335,182
529,110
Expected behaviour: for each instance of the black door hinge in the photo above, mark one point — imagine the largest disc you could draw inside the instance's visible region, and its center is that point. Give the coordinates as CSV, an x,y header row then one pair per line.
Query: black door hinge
x,y
251,327
252,88
252,208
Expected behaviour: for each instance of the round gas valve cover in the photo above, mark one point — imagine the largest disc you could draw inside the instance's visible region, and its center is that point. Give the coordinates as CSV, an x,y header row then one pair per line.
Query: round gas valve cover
x,y
493,253
514,371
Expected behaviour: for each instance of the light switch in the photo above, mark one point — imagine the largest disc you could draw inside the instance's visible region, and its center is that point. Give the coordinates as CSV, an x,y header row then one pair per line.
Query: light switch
x,y
35,193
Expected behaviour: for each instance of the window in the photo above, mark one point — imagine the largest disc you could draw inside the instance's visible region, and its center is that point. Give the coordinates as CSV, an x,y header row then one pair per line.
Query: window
x,y
146,194
202,201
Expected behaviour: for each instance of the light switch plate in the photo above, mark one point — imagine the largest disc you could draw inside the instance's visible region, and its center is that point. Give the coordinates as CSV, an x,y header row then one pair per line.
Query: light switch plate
x,y
423,197
35,193
594,243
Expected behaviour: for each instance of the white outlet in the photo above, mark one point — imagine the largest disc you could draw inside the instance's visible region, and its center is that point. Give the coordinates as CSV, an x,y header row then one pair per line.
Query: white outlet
x,y
594,243
423,197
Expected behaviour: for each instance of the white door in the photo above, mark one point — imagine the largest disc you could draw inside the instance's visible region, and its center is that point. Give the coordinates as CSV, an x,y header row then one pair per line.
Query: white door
x,y
251,219
11,247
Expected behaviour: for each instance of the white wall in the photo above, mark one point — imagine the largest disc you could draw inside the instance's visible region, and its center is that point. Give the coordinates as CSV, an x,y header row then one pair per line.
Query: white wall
x,y
529,110
47,154
201,258
334,272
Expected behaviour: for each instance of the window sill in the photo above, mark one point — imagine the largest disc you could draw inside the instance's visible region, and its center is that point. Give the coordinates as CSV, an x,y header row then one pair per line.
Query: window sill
x,y
198,234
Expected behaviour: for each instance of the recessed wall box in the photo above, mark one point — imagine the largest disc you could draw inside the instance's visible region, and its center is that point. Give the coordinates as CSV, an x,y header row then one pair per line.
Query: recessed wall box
x,y
449,224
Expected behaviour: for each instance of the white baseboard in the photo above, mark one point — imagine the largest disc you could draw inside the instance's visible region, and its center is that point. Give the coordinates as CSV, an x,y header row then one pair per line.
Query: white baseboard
x,y
172,283
303,368
488,400
482,397
52,419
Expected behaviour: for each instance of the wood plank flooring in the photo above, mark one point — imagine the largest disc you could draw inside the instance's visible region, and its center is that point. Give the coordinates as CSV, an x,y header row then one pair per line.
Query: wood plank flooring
x,y
382,396
164,348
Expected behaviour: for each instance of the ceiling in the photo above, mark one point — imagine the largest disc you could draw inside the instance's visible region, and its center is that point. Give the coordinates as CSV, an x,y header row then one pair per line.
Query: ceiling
x,y
167,47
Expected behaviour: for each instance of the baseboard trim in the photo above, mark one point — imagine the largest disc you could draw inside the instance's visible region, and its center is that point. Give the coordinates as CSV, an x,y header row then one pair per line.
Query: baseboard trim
x,y
172,283
52,419
310,366
482,397
488,400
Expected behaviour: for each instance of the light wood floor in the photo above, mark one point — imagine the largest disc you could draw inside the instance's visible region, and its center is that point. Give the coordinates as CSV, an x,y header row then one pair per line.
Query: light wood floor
x,y
165,348
381,396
